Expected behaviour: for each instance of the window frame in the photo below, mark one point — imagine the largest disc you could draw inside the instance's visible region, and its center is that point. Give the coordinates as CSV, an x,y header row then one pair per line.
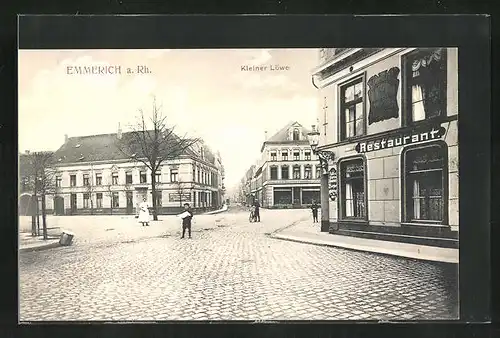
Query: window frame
x,y
86,200
72,180
176,173
113,194
306,169
141,173
359,78
58,182
284,158
127,175
288,172
307,156
294,171
113,180
444,176
98,179
296,132
274,156
271,173
296,155
406,116
341,193
98,205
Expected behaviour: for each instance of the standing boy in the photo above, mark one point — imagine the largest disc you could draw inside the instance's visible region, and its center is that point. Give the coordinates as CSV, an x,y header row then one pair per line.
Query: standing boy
x,y
314,208
186,221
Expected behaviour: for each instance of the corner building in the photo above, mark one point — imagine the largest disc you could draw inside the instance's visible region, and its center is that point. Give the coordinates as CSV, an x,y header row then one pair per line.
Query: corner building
x,y
390,117
94,177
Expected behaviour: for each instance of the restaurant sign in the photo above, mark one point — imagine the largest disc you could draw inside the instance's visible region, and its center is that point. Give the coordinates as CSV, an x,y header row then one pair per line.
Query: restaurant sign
x,y
400,140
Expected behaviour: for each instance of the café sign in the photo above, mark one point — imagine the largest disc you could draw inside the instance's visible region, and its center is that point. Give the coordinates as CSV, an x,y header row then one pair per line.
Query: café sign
x,y
400,140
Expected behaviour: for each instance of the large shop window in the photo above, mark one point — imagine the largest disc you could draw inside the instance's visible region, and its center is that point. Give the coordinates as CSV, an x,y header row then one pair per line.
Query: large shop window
x,y
352,109
353,202
425,181
425,75
274,173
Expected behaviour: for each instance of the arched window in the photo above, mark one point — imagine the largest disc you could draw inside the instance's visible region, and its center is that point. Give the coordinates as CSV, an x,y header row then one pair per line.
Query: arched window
x,y
425,183
296,134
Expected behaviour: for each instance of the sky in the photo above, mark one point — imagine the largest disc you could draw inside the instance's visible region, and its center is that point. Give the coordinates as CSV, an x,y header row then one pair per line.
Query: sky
x,y
203,93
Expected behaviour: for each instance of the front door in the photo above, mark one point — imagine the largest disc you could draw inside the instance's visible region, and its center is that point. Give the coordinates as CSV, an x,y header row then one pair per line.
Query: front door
x,y
130,203
296,196
59,205
73,203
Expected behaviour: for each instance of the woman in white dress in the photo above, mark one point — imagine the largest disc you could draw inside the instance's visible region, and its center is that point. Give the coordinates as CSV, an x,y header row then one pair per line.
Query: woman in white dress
x,y
144,213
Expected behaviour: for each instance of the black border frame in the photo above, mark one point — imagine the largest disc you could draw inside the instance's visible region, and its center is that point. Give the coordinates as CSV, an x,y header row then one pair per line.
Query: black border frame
x,y
470,33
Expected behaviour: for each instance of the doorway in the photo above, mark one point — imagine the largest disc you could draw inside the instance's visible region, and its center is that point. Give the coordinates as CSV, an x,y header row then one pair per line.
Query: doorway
x,y
130,203
59,205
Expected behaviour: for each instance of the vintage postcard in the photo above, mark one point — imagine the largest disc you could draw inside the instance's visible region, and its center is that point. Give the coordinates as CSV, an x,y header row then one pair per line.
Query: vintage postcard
x,y
238,184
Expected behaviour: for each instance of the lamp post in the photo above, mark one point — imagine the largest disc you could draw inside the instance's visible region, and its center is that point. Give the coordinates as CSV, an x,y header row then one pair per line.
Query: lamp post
x,y
324,156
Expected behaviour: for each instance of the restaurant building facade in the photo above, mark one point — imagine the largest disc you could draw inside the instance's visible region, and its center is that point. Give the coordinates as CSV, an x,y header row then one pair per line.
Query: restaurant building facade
x,y
389,117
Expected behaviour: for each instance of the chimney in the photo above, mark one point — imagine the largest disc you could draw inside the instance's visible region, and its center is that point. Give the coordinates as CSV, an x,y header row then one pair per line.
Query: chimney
x,y
265,135
65,138
119,133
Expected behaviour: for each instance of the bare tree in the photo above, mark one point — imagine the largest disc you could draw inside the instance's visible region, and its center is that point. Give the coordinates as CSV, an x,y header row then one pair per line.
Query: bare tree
x,y
90,187
43,175
108,192
152,143
181,188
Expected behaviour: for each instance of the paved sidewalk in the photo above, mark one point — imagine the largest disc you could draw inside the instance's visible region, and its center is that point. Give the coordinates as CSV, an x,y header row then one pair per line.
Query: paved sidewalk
x,y
308,232
29,243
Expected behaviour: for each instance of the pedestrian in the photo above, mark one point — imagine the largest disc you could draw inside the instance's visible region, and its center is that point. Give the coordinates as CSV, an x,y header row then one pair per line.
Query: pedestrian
x,y
314,208
186,216
144,213
257,210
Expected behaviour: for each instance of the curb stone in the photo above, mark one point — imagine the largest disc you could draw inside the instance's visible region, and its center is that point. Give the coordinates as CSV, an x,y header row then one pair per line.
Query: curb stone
x,y
41,247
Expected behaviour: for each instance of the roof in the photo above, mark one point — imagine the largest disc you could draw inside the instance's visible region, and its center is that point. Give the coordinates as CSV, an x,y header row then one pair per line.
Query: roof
x,y
101,147
282,135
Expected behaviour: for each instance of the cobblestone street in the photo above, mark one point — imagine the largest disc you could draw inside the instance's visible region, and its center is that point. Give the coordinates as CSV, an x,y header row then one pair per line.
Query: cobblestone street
x,y
235,272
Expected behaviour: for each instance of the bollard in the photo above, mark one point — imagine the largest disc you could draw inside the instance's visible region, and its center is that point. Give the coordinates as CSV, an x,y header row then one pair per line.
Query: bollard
x,y
66,238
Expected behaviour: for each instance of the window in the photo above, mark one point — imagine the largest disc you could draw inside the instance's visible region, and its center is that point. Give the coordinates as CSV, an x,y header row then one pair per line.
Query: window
x,y
143,178
98,179
72,180
307,155
158,177
194,173
58,181
114,178
73,202
86,181
98,200
296,173
284,155
115,201
198,175
274,173
273,156
318,171
296,134
174,175
352,109
296,156
425,75
85,201
424,185
353,189
284,172
307,173
128,178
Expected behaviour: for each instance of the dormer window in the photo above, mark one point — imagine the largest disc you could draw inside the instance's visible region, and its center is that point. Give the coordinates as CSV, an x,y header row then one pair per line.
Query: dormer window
x,y
296,134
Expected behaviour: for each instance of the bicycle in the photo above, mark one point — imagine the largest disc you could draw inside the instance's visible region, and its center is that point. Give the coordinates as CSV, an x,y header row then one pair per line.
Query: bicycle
x,y
251,217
